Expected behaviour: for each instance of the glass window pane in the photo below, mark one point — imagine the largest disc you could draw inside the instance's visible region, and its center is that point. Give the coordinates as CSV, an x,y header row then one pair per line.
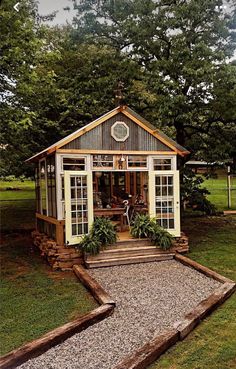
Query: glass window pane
x,y
103,161
74,163
162,164
137,161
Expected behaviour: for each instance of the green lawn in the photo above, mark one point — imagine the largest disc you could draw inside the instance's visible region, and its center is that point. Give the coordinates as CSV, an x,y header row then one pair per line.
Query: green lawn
x,y
212,345
34,299
17,205
218,189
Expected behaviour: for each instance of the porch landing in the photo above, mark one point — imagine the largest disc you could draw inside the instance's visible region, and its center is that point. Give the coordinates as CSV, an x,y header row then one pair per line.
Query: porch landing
x,y
128,250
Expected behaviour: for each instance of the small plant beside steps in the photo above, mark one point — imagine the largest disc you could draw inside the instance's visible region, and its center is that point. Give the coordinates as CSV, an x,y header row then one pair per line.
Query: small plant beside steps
x,y
144,227
102,234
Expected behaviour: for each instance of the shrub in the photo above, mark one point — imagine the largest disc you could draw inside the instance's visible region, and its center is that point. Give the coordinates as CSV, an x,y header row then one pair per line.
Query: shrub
x,y
159,236
104,230
141,226
90,245
102,233
193,194
144,227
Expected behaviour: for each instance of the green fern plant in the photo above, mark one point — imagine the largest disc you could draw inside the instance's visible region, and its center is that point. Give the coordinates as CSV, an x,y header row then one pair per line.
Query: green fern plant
x,y
141,226
90,245
160,237
104,231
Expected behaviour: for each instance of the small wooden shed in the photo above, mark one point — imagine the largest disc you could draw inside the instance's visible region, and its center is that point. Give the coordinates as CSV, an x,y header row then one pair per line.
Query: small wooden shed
x,y
118,159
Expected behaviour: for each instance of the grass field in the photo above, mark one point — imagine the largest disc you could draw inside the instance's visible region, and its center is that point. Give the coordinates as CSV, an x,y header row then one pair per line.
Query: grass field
x,y
33,298
212,345
17,190
218,189
17,205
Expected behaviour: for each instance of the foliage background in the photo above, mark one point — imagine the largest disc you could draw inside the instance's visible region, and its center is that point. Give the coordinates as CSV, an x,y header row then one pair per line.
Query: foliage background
x,y
173,57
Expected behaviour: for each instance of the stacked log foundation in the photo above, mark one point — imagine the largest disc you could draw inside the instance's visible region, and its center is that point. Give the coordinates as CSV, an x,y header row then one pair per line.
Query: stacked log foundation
x,y
59,257
63,257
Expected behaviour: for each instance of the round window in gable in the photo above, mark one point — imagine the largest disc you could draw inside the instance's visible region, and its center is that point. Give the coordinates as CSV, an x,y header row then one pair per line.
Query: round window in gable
x,y
120,131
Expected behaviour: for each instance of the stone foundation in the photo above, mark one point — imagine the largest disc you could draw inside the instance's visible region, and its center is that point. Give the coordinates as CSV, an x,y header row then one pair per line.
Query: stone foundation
x,y
58,257
63,258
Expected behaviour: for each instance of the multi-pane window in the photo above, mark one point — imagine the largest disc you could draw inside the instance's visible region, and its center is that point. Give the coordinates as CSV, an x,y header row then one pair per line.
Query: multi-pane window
x,y
37,189
74,163
79,205
164,196
162,164
43,187
103,161
51,187
137,161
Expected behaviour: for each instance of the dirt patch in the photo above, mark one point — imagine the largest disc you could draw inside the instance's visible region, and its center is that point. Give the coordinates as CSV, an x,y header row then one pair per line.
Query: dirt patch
x,y
200,227
59,275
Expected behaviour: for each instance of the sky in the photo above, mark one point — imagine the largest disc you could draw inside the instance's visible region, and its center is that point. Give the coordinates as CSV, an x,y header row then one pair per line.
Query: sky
x,y
48,6
62,16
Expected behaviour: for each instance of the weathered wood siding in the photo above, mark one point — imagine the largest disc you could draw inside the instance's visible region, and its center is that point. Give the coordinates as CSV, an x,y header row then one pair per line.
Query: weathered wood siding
x,y
100,138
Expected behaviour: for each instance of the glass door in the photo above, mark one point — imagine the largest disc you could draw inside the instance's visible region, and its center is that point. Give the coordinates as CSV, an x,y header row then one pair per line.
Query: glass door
x,y
164,199
78,205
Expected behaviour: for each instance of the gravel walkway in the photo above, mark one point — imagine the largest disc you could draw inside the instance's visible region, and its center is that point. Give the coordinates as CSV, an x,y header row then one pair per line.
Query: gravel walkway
x,y
150,298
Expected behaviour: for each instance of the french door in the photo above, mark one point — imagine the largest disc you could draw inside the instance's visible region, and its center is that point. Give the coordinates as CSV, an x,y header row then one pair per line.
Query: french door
x,y
164,199
78,205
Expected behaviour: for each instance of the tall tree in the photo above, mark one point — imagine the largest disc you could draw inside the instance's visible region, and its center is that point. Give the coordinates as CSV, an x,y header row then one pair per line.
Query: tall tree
x,y
183,47
51,85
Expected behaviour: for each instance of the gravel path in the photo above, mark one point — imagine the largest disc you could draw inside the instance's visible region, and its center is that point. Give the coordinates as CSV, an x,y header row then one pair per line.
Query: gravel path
x,y
150,298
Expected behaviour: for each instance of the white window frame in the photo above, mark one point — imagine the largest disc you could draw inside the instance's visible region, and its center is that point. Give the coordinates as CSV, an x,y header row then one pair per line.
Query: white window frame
x,y
176,194
173,162
114,135
60,172
46,184
137,169
70,239
95,169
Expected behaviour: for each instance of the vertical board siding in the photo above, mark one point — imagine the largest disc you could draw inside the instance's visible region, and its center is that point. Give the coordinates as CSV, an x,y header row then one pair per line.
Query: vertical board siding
x,y
99,138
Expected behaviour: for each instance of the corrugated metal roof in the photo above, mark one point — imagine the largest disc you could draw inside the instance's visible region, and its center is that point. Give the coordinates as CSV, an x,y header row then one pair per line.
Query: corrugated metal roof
x,y
117,109
151,126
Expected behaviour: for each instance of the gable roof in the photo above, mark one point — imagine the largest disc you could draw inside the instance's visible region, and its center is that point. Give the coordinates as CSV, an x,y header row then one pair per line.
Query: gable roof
x,y
135,117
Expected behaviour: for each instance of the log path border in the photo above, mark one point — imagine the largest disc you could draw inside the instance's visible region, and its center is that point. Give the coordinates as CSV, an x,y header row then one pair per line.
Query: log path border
x,y
146,354
60,334
153,349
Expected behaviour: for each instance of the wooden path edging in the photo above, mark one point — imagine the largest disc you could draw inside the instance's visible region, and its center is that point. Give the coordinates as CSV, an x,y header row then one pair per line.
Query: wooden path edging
x,y
93,286
148,353
202,269
153,349
60,334
54,337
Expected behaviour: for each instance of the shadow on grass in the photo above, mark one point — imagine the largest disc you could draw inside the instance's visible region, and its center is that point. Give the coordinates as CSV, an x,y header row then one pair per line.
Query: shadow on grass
x,y
35,299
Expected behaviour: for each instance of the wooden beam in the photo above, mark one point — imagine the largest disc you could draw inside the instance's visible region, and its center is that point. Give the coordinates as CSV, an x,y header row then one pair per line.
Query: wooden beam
x,y
50,219
94,287
148,353
60,239
202,310
56,336
202,269
115,152
86,129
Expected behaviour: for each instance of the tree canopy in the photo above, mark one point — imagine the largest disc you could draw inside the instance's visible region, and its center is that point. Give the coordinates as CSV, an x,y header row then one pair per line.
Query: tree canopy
x,y
172,55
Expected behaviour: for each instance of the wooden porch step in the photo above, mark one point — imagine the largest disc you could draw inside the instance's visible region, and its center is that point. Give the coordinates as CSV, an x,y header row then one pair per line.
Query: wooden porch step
x,y
132,242
127,260
126,252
